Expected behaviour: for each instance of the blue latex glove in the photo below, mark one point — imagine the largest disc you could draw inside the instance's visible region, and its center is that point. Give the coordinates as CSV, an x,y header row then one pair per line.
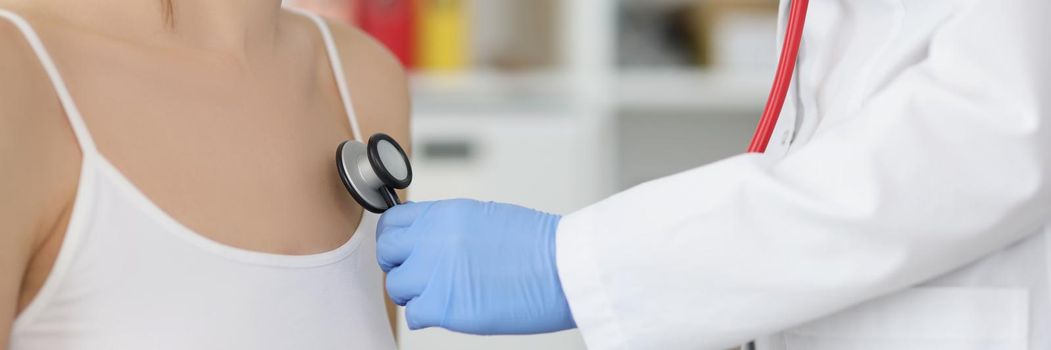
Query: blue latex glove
x,y
473,267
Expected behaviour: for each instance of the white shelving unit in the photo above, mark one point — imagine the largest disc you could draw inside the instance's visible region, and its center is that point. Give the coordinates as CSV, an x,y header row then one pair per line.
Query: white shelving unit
x,y
683,90
578,91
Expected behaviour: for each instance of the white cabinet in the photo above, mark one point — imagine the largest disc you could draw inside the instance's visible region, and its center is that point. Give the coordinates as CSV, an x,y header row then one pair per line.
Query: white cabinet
x,y
537,160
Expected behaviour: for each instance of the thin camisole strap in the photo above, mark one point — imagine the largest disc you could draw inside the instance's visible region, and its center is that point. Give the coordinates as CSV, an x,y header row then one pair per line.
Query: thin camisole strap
x,y
337,70
80,130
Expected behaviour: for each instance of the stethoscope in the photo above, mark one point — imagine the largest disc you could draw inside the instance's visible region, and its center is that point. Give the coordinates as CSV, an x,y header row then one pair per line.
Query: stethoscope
x,y
782,78
373,171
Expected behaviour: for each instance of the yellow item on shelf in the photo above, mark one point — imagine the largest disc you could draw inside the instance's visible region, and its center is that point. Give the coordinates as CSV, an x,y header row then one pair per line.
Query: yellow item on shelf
x,y
442,35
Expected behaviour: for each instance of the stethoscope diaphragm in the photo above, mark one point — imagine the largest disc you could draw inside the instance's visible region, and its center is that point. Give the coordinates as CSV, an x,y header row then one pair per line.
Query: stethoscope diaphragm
x,y
372,172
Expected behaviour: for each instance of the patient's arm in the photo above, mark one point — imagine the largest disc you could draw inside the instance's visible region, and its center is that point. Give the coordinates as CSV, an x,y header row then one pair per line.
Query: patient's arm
x,y
39,160
379,90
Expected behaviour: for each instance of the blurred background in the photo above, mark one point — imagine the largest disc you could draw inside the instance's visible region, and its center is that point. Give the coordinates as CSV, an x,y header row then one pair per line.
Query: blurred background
x,y
555,104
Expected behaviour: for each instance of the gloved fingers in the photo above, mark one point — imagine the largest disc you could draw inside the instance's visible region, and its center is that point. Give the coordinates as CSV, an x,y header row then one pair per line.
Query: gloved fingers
x,y
402,215
424,312
394,246
406,283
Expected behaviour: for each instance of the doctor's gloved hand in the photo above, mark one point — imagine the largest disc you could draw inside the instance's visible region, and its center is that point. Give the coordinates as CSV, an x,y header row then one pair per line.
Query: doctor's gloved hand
x,y
473,267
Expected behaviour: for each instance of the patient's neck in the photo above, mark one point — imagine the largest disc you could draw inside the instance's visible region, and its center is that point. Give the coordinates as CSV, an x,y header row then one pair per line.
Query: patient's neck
x,y
234,27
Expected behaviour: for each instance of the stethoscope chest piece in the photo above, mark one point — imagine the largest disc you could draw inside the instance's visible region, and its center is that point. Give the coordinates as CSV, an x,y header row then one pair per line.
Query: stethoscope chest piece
x,y
372,172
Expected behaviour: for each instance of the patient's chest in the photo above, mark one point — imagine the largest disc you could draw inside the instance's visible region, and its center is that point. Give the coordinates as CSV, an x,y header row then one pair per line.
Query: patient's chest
x,y
239,149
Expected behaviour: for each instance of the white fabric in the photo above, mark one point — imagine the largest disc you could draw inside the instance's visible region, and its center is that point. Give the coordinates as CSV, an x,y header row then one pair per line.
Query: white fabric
x,y
910,211
129,276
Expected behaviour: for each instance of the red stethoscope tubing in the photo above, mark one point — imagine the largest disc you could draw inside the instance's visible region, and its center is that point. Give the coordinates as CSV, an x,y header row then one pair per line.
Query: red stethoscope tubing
x,y
783,78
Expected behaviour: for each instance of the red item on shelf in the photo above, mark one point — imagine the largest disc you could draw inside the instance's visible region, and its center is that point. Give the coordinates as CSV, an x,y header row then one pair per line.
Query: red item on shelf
x,y
391,22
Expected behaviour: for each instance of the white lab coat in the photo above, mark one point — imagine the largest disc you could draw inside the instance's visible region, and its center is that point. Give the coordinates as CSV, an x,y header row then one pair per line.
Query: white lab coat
x,y
904,203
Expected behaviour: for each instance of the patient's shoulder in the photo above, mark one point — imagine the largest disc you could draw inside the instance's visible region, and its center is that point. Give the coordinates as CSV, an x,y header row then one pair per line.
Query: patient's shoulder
x,y
33,126
25,90
377,82
38,153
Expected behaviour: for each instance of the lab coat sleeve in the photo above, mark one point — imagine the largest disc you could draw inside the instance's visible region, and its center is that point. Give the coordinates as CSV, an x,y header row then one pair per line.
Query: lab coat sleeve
x,y
945,164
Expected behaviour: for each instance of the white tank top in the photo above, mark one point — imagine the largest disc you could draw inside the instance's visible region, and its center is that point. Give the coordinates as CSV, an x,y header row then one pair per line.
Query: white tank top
x,y
129,276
